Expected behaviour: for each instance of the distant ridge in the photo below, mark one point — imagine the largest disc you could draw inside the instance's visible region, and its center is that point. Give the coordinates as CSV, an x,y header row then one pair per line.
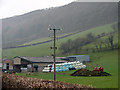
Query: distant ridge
x,y
76,16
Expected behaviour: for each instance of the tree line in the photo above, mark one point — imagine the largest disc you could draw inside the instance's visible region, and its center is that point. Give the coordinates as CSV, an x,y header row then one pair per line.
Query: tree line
x,y
76,46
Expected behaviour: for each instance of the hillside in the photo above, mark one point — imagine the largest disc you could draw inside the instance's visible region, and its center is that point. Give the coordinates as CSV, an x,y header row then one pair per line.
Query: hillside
x,y
44,49
76,16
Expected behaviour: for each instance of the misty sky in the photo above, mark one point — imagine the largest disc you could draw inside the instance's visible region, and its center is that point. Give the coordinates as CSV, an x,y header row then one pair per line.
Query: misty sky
x,y
10,8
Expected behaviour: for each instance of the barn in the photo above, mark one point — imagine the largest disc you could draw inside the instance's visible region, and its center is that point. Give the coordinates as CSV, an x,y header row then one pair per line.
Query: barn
x,y
28,64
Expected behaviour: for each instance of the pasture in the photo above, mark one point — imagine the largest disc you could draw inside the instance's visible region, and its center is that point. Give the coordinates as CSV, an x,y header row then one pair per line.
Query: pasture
x,y
107,59
44,49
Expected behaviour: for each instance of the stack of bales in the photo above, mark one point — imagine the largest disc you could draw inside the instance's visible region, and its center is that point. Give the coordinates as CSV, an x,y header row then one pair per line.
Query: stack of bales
x,y
64,66
47,69
78,65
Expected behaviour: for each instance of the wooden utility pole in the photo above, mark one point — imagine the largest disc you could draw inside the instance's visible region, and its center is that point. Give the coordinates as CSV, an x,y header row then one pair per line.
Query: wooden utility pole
x,y
54,53
54,47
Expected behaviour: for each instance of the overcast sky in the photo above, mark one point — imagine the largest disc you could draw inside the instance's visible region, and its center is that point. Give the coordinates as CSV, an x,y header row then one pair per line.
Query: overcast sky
x,y
9,8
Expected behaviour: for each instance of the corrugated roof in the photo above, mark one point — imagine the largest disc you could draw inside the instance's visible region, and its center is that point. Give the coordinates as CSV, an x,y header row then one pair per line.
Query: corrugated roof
x,y
77,55
42,59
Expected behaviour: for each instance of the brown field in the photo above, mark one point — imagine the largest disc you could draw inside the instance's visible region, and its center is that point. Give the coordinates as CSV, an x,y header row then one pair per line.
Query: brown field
x,y
13,81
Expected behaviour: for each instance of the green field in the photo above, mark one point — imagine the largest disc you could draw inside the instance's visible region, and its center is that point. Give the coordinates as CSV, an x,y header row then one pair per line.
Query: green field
x,y
107,59
44,49
43,39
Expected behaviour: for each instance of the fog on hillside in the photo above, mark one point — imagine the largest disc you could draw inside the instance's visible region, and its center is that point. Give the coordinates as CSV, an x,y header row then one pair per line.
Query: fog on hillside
x,y
74,17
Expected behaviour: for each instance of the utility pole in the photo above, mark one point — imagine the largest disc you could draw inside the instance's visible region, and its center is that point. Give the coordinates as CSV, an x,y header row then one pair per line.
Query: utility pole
x,y
54,47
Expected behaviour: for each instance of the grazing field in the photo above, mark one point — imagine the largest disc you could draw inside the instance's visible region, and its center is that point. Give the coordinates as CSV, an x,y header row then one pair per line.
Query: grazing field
x,y
44,49
45,39
107,59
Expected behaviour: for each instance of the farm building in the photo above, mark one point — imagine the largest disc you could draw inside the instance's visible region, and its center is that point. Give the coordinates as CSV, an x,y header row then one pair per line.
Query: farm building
x,y
81,58
28,64
7,65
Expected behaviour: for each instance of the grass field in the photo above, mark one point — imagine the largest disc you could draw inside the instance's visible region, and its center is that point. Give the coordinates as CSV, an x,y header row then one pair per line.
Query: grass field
x,y
44,39
95,31
44,49
107,59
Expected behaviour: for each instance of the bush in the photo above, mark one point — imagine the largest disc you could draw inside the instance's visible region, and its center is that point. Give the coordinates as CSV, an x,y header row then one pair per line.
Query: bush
x,y
13,81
